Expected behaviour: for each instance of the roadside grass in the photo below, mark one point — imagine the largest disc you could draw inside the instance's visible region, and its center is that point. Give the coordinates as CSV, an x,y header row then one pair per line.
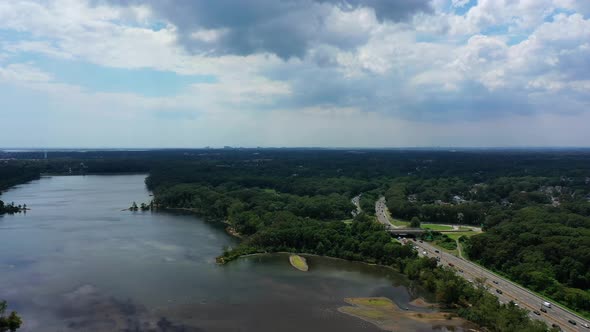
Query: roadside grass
x,y
457,235
453,252
398,223
436,227
462,253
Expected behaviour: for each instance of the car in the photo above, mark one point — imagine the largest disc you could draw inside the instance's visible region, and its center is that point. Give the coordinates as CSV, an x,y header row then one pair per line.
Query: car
x,y
495,282
424,253
499,291
537,313
555,326
436,251
571,321
451,264
421,241
460,270
585,325
543,310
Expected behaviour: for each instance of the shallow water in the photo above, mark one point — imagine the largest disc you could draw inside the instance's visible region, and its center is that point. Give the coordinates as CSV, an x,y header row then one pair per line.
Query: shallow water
x,y
76,261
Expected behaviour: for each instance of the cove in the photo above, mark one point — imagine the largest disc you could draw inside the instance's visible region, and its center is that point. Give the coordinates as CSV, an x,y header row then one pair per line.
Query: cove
x,y
76,261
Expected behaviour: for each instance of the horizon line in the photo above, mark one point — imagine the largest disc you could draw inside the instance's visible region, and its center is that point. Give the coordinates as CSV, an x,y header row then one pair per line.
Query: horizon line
x,y
227,147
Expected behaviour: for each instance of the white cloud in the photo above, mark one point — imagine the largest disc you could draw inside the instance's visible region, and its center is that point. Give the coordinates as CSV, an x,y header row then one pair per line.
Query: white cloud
x,y
24,73
208,35
35,46
405,70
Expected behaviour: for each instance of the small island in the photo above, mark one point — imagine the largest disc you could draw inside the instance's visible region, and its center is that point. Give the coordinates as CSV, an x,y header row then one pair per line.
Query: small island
x,y
299,263
12,208
143,207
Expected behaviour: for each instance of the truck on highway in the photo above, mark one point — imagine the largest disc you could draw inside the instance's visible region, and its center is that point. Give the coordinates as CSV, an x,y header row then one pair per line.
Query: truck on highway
x,y
547,304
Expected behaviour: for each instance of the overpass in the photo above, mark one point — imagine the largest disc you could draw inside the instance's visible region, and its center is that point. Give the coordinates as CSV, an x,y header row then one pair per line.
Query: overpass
x,y
417,231
405,231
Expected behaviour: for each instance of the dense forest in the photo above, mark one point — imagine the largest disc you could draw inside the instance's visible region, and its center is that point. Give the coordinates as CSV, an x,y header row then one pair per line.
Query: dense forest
x,y
537,227
13,173
16,172
533,206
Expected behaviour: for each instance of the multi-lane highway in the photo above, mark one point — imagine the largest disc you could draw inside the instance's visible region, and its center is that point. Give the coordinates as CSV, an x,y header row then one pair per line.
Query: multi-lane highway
x,y
510,291
504,289
356,200
382,213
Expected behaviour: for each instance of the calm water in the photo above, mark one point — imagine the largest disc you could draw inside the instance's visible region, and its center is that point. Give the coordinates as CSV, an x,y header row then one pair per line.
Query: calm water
x,y
76,261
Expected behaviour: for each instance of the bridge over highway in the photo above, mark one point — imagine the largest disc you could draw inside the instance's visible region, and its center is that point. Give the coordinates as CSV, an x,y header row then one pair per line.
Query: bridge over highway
x,y
405,231
417,231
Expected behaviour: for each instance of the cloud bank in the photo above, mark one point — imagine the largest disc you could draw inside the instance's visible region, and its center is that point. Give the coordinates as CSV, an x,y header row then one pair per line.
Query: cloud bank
x,y
295,72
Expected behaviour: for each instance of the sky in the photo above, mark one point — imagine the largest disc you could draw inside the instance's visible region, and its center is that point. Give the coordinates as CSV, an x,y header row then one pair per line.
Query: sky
x,y
294,73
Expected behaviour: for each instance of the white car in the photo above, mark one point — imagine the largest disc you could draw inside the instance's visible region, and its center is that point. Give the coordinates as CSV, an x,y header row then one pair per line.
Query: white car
x,y
586,325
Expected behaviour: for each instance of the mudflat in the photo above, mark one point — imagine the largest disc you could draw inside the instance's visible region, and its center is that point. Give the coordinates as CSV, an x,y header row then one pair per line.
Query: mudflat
x,y
388,316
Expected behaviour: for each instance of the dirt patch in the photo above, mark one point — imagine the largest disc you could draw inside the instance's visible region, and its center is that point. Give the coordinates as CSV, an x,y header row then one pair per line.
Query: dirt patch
x,y
422,303
232,231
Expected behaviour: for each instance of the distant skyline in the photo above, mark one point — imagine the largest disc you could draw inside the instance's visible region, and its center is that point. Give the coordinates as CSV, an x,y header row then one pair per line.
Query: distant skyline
x,y
284,73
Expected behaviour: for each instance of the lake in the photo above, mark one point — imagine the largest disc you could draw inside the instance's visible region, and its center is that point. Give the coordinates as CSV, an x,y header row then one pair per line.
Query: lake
x,y
78,262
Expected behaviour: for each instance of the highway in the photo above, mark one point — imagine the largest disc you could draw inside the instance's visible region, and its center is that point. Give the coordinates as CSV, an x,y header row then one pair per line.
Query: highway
x,y
382,213
356,200
510,291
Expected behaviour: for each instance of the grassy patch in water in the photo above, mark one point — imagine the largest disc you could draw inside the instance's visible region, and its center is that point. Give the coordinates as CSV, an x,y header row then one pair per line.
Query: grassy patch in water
x,y
298,262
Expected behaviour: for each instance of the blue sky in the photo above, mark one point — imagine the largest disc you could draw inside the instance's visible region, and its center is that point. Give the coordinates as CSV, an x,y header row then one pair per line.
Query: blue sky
x,y
372,73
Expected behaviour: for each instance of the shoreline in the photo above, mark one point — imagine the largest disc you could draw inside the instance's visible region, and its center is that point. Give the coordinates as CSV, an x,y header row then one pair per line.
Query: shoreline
x,y
312,255
99,173
229,229
387,315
